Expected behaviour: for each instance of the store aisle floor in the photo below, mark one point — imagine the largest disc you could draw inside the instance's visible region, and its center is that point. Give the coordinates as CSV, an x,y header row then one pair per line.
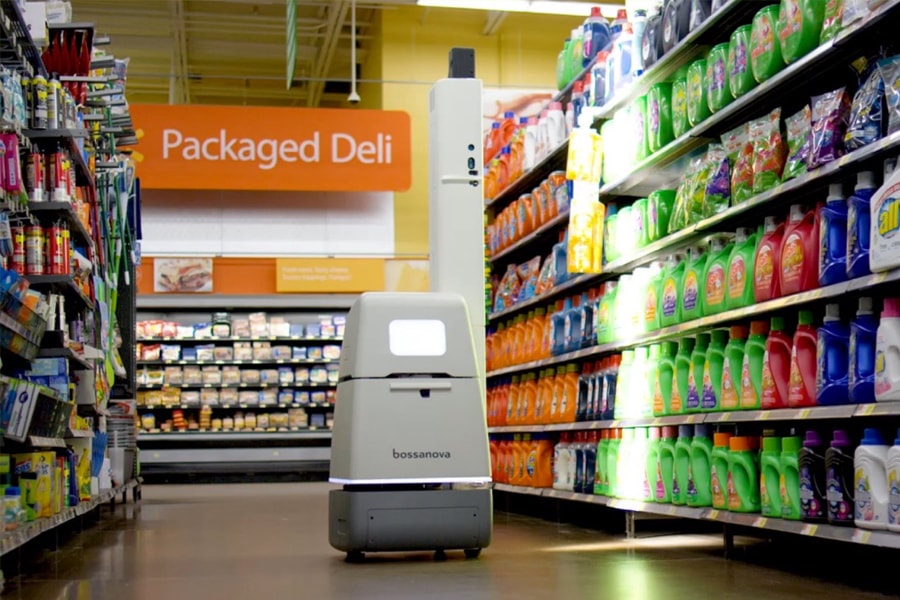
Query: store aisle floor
x,y
269,542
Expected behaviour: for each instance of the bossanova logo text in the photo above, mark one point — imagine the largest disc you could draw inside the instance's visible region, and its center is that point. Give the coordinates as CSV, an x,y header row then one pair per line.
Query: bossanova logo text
x,y
419,455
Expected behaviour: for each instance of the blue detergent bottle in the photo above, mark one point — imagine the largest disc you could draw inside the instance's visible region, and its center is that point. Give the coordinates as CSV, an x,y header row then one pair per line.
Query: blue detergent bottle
x,y
863,329
833,237
560,260
558,323
575,324
858,222
597,35
833,359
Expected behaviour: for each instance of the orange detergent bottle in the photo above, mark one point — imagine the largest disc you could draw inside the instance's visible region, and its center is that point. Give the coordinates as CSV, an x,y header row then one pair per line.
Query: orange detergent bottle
x,y
525,219
512,467
518,340
507,128
541,461
559,392
531,391
512,403
569,408
538,324
525,474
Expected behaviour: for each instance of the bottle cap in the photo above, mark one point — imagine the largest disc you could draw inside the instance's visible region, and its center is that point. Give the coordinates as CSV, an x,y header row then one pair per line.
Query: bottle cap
x,y
777,324
791,444
812,440
796,213
495,125
669,432
13,491
596,12
840,438
832,313
523,120
556,106
701,431
771,224
771,444
702,341
759,327
721,439
805,317
891,308
509,115
741,235
835,193
865,306
741,443
719,336
865,180
578,87
685,431
654,350
871,437
654,433
622,14
739,332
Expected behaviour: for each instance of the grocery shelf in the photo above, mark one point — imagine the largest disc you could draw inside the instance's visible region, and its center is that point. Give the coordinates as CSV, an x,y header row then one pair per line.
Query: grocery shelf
x,y
223,386
80,361
14,26
212,436
63,209
289,338
550,226
529,180
253,361
62,283
79,433
241,406
46,442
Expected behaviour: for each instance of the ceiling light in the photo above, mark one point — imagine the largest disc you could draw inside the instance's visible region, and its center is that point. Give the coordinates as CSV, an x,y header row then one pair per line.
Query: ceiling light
x,y
543,7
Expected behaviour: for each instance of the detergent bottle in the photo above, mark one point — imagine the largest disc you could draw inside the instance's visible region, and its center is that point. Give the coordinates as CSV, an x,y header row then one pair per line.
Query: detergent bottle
x,y
665,475
713,368
596,36
863,335
871,493
833,237
683,369
887,352
859,218
767,262
753,366
743,474
790,478
665,380
892,465
833,359
651,300
638,391
695,375
612,463
739,288
651,463
699,482
659,210
812,479
770,477
802,386
600,476
719,470
799,27
715,280
692,291
639,455
730,398
839,479
800,252
682,464
606,311
610,389
776,367
651,378
670,296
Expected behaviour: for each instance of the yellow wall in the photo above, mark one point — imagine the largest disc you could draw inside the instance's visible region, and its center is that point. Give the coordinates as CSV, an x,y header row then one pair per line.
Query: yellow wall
x,y
415,44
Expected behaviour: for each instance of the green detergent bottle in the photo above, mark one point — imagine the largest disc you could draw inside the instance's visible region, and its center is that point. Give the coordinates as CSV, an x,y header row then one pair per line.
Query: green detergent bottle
x,y
654,356
624,468
606,313
682,464
659,116
612,463
740,77
651,468
752,367
699,479
770,477
692,284
799,27
718,92
601,478
739,289
719,470
679,105
743,474
789,484
610,229
683,370
695,376
765,48
659,212
666,466
731,369
651,297
670,295
641,218
639,127
715,276
640,451
713,368
697,105
665,380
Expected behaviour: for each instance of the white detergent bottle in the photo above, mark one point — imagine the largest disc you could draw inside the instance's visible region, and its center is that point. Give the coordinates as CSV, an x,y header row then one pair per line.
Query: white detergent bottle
x,y
561,462
870,481
884,237
887,353
893,485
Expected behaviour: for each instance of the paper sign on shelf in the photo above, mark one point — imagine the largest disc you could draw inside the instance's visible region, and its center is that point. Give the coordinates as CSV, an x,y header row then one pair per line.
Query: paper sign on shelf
x,y
329,275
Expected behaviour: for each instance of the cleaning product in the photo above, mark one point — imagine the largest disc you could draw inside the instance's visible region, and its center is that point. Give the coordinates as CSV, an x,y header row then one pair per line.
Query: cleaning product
x,y
790,478
718,92
651,297
682,370
651,377
800,252
682,465
859,219
863,335
639,454
622,48
812,479
739,287
802,386
596,35
610,228
612,463
713,369
639,392
610,388
699,492
753,366
833,362
887,352
659,116
625,476
871,494
719,469
695,375
697,104
799,27
740,76
651,463
892,465
676,22
659,211
770,477
641,220
680,123
767,262
743,475
730,398
670,297
776,370
692,289
665,474
839,479
833,219
602,469
638,123
884,235
714,281
605,327
639,28
765,48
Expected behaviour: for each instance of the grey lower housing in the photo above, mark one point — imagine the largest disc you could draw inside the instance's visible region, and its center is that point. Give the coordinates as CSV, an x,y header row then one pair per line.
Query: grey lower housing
x,y
409,520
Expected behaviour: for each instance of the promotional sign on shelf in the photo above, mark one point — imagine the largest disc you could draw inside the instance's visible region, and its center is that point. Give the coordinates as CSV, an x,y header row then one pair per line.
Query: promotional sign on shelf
x,y
189,147
329,275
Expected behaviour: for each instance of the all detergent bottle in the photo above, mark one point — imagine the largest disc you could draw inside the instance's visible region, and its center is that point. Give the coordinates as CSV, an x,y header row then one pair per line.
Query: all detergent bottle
x,y
802,387
695,375
812,479
892,465
665,380
682,464
839,479
699,477
719,470
859,217
665,475
713,368
790,478
833,220
770,477
743,475
871,494
887,353
683,369
753,366
767,262
715,277
833,361
884,252
739,288
800,252
776,371
732,366
670,296
863,335
651,463
692,289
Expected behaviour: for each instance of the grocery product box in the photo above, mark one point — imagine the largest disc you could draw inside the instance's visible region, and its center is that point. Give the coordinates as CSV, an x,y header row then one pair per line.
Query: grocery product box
x,y
36,472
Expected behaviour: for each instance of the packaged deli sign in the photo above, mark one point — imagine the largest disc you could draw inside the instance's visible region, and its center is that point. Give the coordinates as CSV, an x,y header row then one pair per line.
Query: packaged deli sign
x,y
280,149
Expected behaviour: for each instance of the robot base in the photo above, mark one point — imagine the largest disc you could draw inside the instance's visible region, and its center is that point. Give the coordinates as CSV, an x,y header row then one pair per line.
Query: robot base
x,y
400,520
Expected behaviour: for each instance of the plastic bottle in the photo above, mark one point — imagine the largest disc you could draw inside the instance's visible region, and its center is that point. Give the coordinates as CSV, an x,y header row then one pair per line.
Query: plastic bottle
x,y
765,51
659,210
692,289
770,477
659,116
670,297
887,353
651,463
715,277
557,125
739,289
651,299
562,64
693,401
767,262
699,492
540,461
639,452
611,391
719,470
683,370
596,35
871,495
802,386
833,359
892,465
606,313
666,466
776,366
682,464
859,219
833,237
664,379
639,391
612,463
743,475
800,252
863,335
730,398
790,478
590,462
713,368
812,479
753,366
839,479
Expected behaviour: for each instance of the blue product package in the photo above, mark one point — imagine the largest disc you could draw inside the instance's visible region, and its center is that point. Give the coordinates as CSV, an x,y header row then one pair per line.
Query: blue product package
x,y
890,74
866,113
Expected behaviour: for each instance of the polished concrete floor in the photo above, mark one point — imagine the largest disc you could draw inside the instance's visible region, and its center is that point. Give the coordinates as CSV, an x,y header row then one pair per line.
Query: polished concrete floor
x,y
270,542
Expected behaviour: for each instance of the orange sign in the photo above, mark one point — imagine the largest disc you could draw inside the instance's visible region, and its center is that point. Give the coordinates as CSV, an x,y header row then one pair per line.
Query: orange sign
x,y
192,147
328,275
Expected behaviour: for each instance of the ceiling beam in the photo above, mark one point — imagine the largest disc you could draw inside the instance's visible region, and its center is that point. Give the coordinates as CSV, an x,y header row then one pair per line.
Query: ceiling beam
x,y
180,92
337,14
493,21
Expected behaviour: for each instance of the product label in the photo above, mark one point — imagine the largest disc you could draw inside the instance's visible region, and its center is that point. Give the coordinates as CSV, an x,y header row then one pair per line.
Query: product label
x,y
882,382
888,216
679,100
716,83
749,397
737,278
691,291
770,396
821,362
766,507
670,298
691,488
810,504
530,463
658,404
709,400
694,87
764,270
786,506
718,494
676,489
653,115
693,396
839,505
791,259
793,19
650,307
796,390
852,234
730,399
734,501
865,509
851,372
677,402
762,38
737,57
715,286
660,487
893,497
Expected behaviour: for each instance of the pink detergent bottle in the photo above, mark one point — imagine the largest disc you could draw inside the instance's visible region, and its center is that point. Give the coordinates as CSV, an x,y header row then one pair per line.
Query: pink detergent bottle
x,y
776,367
800,252
802,387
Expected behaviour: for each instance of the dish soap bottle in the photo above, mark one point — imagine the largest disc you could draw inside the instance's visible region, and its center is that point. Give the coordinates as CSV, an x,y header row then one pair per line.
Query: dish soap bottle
x,y
833,359
740,269
833,237
767,262
863,333
776,367
859,218
800,252
802,388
